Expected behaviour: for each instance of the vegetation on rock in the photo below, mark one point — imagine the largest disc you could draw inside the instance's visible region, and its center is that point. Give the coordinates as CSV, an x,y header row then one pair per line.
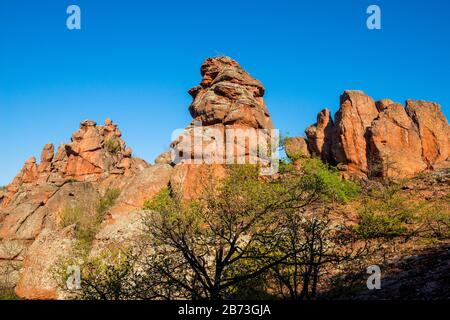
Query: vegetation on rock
x,y
87,223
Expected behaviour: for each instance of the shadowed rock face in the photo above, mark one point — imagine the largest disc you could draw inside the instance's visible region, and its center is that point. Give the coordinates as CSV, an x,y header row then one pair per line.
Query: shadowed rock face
x,y
383,138
320,134
349,139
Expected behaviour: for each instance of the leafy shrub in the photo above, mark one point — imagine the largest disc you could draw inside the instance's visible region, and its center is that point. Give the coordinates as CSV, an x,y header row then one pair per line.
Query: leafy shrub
x,y
88,222
380,226
8,294
329,180
112,146
250,224
85,226
106,202
108,276
437,222
319,180
386,214
69,216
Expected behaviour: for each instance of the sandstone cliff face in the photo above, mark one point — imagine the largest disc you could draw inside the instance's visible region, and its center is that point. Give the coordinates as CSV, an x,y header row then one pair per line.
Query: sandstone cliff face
x,y
433,130
395,146
383,138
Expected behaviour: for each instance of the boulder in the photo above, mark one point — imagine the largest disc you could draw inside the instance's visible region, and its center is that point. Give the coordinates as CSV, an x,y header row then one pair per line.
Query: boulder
x,y
296,147
38,277
164,158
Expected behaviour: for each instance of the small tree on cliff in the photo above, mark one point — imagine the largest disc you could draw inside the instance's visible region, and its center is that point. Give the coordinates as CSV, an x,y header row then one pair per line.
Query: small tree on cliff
x,y
310,193
205,248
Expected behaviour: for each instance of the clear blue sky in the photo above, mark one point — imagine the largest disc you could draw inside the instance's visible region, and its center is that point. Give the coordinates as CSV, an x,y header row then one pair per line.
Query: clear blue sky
x,y
133,61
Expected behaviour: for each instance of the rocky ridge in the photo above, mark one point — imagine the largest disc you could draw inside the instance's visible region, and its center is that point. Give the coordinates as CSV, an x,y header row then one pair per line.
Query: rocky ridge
x,y
96,160
380,139
365,138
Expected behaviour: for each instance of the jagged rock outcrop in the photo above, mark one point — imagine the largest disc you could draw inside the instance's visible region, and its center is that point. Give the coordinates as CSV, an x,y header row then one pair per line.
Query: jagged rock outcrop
x,y
228,110
319,135
76,177
228,95
383,138
95,153
228,98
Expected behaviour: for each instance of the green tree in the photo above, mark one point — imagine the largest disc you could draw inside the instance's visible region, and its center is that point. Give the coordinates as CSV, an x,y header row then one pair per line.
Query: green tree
x,y
207,247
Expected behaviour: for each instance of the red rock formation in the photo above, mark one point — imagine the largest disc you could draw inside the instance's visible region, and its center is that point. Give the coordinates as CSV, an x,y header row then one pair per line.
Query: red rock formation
x,y
349,141
383,139
97,159
46,158
227,94
74,177
227,100
95,153
395,146
433,130
319,135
